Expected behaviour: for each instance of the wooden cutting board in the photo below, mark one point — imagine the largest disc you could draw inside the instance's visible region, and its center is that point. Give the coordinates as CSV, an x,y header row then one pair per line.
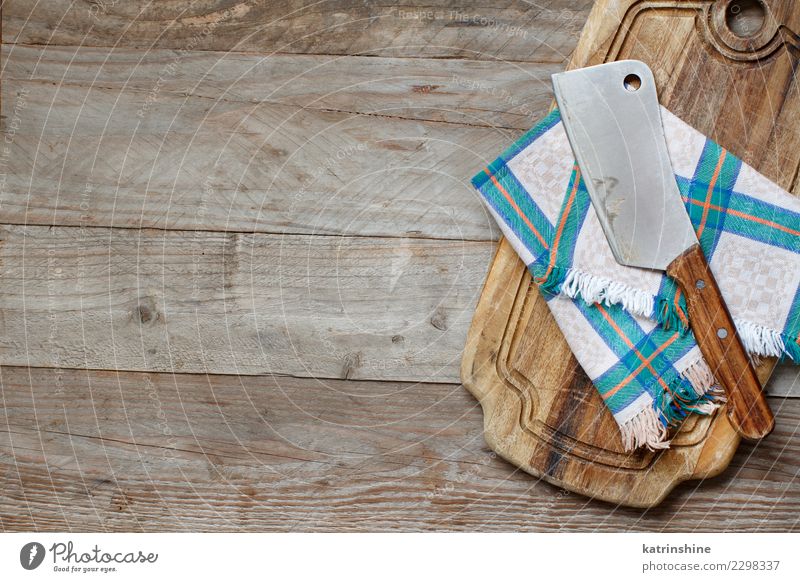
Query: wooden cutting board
x,y
726,67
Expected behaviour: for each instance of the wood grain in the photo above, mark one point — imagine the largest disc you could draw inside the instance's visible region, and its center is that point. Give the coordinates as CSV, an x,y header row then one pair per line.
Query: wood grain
x,y
509,30
541,411
715,332
107,451
298,144
495,95
232,303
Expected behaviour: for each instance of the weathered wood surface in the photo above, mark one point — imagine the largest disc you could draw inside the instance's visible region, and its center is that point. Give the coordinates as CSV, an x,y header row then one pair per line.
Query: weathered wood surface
x,y
785,381
541,410
345,145
497,95
376,129
235,303
87,451
509,30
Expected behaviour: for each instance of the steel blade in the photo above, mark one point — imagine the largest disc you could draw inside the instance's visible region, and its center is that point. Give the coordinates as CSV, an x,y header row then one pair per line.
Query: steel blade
x,y
613,121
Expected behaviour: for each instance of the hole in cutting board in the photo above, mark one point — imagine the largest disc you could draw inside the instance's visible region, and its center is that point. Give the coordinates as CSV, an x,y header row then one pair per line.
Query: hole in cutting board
x,y
745,18
632,82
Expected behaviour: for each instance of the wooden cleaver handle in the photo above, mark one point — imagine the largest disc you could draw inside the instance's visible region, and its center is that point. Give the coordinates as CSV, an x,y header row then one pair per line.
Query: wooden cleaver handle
x,y
720,345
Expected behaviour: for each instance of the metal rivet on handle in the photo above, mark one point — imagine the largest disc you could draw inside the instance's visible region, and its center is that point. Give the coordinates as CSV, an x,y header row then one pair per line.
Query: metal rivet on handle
x,y
700,284
722,333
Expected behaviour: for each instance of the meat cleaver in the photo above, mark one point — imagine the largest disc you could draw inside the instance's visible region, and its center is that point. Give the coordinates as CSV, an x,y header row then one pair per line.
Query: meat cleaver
x,y
612,118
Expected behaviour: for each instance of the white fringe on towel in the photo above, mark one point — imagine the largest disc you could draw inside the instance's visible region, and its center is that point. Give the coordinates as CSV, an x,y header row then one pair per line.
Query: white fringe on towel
x,y
757,339
760,340
700,376
594,289
644,429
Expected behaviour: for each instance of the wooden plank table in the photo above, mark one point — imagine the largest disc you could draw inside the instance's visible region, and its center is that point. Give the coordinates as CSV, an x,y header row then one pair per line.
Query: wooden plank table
x,y
240,254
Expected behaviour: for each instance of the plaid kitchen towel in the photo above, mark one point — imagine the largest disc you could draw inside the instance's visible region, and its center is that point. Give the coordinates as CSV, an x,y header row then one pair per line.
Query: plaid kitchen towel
x,y
628,327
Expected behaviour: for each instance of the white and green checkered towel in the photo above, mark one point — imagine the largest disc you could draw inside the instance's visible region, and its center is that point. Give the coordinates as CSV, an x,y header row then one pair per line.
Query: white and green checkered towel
x,y
626,326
